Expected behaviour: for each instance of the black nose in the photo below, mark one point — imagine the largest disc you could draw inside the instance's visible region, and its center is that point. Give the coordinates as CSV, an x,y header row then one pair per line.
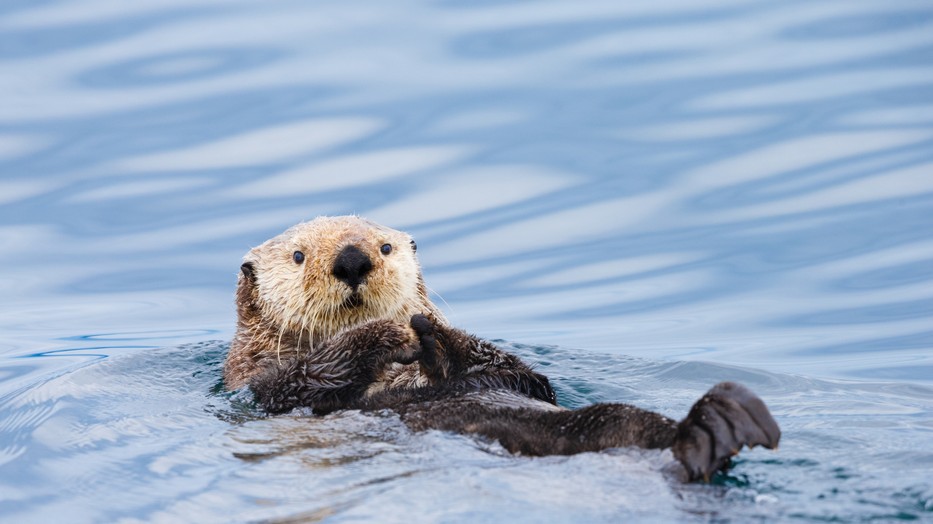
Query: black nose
x,y
352,266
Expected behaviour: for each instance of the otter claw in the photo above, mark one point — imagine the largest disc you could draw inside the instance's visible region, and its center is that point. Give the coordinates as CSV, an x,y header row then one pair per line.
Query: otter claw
x,y
724,420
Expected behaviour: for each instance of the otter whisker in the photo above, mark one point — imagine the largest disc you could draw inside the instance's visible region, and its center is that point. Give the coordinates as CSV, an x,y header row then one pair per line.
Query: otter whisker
x,y
278,346
335,310
301,328
259,334
312,331
308,326
442,299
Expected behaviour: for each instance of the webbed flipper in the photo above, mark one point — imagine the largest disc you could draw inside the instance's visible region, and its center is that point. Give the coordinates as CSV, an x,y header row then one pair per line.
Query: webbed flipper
x,y
719,425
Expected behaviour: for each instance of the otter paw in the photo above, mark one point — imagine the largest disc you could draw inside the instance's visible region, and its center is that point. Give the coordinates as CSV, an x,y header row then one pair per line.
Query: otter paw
x,y
282,387
374,344
407,349
428,358
422,325
724,420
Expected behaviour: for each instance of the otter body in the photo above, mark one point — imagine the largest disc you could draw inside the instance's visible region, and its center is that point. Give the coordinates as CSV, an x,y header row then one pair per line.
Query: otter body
x,y
334,314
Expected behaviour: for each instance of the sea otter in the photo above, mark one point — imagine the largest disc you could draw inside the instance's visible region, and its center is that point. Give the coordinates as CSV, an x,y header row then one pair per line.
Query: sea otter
x,y
300,293
318,278
334,314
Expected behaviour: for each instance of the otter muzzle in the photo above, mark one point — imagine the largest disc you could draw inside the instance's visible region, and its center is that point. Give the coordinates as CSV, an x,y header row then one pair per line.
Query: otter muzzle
x,y
351,266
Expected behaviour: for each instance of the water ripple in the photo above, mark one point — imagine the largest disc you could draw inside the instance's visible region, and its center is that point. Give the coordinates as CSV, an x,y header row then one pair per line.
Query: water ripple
x,y
734,182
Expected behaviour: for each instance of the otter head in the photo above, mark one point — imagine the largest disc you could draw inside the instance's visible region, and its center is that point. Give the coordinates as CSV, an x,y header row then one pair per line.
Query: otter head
x,y
323,276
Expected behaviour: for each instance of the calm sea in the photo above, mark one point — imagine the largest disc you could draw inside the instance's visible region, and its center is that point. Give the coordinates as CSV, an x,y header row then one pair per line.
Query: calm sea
x,y
643,198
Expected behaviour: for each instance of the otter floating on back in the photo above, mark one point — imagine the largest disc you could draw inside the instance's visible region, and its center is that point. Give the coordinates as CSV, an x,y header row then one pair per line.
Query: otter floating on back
x,y
334,314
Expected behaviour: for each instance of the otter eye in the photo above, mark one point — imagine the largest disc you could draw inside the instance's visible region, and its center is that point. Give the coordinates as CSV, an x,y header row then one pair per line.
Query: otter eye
x,y
386,249
299,257
414,247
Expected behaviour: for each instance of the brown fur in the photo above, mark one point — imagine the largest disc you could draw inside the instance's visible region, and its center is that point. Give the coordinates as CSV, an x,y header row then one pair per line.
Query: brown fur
x,y
372,340
475,388
286,309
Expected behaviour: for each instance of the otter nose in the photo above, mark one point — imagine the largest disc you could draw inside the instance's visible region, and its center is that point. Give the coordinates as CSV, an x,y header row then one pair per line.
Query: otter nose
x,y
352,266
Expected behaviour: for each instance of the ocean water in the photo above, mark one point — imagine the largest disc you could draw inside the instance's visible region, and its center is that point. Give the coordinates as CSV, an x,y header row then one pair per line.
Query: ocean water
x,y
642,198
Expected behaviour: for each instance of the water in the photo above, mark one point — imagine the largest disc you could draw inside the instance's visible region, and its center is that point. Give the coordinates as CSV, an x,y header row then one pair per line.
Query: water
x,y
644,198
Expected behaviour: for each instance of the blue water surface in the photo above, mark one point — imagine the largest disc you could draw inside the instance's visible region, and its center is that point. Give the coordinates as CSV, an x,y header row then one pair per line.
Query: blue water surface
x,y
642,198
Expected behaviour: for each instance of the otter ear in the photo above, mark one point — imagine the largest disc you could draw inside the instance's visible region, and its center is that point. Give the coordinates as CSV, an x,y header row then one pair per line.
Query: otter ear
x,y
249,271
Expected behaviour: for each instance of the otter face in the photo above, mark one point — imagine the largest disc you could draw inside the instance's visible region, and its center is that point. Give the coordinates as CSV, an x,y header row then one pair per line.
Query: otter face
x,y
323,276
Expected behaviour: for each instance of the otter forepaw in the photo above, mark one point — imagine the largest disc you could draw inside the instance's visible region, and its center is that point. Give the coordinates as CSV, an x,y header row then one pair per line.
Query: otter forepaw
x,y
372,345
429,355
422,325
397,342
724,420
294,383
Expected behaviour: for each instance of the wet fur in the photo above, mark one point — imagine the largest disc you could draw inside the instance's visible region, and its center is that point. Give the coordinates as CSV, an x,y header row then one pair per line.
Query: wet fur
x,y
436,376
505,401
286,309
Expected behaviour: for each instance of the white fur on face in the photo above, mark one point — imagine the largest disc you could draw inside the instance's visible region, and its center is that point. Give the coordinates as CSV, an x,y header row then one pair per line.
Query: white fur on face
x,y
308,300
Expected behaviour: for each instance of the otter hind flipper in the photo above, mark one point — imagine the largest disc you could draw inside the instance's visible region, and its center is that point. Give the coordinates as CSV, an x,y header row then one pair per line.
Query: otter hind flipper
x,y
719,425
